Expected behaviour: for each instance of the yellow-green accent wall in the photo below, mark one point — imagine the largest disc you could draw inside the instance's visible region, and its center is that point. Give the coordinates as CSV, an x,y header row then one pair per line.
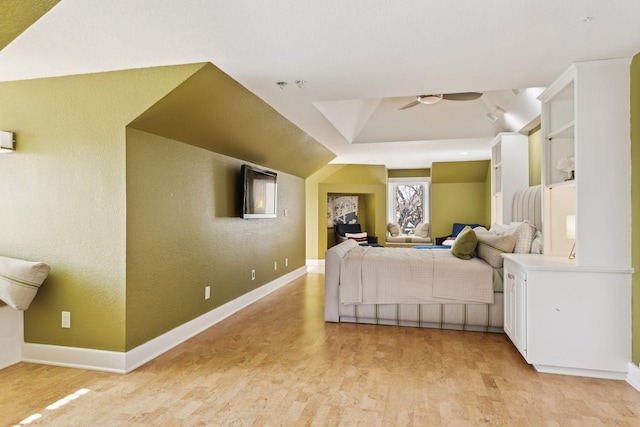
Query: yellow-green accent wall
x,y
18,15
64,200
488,220
535,156
134,224
212,111
184,233
458,194
635,203
409,173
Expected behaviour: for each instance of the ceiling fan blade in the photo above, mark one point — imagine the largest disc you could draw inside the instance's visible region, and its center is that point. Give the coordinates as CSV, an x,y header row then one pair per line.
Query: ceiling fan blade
x,y
409,105
464,96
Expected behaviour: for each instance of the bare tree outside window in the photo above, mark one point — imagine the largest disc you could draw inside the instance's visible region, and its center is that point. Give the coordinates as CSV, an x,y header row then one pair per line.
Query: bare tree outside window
x,y
409,206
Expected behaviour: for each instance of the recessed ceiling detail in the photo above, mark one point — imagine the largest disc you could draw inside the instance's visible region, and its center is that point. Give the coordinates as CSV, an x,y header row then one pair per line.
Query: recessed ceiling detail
x,y
384,121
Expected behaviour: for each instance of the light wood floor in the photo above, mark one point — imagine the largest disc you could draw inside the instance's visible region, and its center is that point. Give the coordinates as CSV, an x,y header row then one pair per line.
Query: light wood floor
x,y
275,366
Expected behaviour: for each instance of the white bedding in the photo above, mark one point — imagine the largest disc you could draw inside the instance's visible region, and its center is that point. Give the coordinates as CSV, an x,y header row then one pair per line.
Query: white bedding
x,y
371,275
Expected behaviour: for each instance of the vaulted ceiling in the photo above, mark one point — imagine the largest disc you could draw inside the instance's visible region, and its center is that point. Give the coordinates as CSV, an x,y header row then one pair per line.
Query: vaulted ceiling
x,y
348,66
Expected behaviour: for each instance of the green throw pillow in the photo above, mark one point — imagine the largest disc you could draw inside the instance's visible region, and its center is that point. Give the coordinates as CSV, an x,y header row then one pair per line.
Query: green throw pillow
x,y
465,244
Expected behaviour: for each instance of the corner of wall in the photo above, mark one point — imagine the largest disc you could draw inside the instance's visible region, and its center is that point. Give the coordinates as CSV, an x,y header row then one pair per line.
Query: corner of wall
x,y
635,204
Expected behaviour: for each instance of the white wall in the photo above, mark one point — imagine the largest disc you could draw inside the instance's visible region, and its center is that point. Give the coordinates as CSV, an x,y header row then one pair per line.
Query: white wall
x,y
11,336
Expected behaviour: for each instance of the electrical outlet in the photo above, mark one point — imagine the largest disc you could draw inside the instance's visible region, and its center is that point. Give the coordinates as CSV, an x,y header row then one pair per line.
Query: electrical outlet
x,y
253,275
207,292
286,262
66,319
275,265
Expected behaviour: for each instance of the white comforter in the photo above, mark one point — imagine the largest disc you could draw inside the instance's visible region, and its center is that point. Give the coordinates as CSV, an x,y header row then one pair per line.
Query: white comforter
x,y
371,275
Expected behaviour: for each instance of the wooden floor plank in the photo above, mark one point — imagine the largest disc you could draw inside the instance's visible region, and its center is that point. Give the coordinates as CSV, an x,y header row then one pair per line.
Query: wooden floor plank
x,y
277,363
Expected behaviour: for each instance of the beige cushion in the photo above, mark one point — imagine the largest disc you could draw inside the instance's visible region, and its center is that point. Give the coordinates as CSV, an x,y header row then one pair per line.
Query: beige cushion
x,y
491,247
465,244
505,229
524,234
20,280
422,230
394,229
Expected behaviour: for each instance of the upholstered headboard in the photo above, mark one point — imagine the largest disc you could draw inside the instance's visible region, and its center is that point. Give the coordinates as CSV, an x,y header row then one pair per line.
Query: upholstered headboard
x,y
527,205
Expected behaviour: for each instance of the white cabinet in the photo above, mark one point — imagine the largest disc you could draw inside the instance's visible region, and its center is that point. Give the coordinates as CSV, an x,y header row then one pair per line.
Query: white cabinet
x,y
509,172
585,115
574,316
567,319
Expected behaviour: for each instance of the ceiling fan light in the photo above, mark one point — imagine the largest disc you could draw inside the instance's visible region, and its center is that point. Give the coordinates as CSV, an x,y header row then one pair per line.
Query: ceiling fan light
x,y
429,99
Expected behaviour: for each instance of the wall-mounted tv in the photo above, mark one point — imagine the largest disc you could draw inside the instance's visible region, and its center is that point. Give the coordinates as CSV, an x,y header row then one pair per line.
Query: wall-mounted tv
x,y
259,193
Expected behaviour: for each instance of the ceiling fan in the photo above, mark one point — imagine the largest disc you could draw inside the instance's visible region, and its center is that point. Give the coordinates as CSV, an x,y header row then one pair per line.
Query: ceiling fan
x,y
435,98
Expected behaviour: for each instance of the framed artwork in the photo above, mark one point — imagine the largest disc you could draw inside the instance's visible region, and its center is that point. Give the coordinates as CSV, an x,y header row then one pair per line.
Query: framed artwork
x,y
342,210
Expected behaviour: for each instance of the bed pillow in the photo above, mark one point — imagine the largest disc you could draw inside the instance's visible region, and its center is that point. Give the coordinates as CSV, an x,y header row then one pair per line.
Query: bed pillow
x,y
358,237
524,234
422,230
465,244
480,229
536,245
505,229
394,229
491,247
20,280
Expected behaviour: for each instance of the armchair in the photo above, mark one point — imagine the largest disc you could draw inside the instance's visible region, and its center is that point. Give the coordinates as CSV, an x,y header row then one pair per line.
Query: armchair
x,y
342,229
455,230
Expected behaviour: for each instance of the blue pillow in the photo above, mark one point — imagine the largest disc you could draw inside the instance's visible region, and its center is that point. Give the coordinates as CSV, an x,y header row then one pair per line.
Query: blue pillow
x,y
457,228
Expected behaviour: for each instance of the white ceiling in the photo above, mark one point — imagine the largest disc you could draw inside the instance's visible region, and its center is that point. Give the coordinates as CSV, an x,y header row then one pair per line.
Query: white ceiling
x,y
360,59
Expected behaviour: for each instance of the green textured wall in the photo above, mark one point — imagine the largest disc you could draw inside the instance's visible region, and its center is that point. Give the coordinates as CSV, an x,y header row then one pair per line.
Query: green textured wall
x,y
63,195
448,172
17,17
488,220
635,202
134,224
409,173
184,233
456,202
212,111
535,156
458,194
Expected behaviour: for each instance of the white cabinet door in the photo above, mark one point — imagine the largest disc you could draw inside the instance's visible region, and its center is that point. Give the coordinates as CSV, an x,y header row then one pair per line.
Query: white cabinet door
x,y
520,312
579,320
509,301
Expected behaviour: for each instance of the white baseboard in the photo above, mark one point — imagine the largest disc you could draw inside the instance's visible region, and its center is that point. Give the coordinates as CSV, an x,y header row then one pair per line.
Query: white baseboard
x,y
315,263
74,357
590,373
633,376
124,362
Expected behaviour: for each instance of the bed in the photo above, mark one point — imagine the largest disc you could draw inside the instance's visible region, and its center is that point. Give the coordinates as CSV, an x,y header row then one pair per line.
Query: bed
x,y
427,288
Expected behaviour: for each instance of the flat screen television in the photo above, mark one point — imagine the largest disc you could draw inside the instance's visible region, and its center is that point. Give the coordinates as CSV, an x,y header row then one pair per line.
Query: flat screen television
x,y
259,193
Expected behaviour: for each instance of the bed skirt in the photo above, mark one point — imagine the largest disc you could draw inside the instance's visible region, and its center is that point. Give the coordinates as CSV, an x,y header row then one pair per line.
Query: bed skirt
x,y
462,317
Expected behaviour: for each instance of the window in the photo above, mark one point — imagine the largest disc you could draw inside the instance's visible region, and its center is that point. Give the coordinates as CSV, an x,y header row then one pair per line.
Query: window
x,y
408,202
